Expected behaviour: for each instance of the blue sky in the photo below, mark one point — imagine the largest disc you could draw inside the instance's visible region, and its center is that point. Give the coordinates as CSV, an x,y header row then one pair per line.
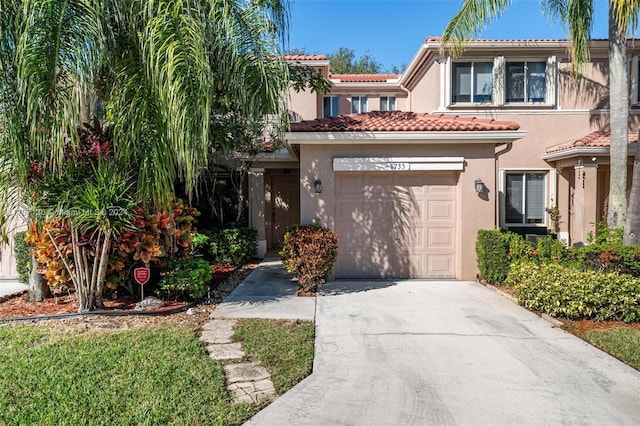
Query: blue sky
x,y
392,30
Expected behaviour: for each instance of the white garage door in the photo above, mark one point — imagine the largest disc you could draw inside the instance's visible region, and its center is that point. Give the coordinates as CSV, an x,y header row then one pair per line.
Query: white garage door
x,y
396,224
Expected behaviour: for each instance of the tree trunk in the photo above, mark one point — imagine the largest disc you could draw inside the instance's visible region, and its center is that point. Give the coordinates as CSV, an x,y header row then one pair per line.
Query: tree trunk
x,y
38,287
632,224
242,171
619,122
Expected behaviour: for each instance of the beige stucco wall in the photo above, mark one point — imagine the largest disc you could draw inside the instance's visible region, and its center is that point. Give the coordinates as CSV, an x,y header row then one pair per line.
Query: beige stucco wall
x,y
425,96
304,104
473,212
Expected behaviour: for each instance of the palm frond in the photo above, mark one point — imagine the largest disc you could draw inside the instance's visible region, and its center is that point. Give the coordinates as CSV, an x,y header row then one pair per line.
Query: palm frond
x,y
626,13
579,20
473,17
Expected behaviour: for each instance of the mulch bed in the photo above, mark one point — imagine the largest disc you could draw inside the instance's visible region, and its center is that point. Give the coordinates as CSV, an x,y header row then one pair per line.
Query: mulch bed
x,y
225,279
580,327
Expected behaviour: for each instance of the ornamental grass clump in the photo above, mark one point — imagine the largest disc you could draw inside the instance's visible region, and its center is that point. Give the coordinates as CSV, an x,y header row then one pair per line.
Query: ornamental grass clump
x,y
309,251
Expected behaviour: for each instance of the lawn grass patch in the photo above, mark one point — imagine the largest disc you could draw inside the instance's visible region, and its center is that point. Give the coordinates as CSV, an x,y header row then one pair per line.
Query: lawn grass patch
x,y
147,376
622,342
285,348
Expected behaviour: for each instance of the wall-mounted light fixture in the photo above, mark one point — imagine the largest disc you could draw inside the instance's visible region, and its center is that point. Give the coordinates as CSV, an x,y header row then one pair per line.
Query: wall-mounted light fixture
x,y
317,186
479,186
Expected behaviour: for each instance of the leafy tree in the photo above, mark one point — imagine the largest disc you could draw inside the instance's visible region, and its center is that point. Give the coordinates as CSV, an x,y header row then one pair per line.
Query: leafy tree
x,y
169,76
577,15
345,61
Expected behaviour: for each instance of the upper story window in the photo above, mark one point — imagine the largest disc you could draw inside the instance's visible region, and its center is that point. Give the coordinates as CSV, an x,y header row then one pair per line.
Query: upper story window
x,y
524,198
472,82
358,104
387,103
331,106
502,82
526,82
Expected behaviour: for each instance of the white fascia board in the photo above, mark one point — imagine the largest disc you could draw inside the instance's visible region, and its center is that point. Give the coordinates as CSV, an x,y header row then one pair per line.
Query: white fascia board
x,y
582,151
306,138
393,164
413,64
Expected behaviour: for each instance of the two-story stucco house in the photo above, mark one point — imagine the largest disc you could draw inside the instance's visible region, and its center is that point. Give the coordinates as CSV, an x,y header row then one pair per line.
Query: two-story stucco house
x,y
407,168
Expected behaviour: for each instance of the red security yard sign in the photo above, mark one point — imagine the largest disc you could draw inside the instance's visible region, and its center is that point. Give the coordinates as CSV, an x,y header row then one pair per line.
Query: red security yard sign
x,y
142,275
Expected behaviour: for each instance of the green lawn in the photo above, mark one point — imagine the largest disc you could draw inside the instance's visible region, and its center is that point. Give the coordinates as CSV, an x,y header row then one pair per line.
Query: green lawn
x,y
157,375
622,342
285,348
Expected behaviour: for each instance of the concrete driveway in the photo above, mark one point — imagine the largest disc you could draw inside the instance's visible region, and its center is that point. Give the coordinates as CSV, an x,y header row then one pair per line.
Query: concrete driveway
x,y
446,352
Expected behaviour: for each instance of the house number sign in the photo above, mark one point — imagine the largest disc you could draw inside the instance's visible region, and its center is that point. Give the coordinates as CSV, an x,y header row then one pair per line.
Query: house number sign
x,y
396,166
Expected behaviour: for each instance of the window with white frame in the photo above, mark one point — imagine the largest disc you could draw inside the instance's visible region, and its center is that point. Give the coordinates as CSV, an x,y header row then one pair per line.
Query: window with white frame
x,y
331,106
472,82
387,103
358,104
526,82
524,195
502,82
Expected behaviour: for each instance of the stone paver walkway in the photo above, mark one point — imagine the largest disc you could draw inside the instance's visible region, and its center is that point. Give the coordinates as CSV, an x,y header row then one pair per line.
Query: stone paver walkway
x,y
247,381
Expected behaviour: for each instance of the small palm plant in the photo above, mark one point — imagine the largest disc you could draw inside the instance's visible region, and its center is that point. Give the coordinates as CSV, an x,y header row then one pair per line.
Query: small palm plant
x,y
97,208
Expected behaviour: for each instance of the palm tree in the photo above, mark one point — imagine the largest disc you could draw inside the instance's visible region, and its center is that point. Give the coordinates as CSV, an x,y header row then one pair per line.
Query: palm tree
x,y
166,74
578,16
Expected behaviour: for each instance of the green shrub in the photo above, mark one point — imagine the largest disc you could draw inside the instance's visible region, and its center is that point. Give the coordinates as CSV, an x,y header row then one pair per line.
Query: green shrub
x,y
200,244
233,245
309,251
550,250
22,255
606,252
565,292
186,277
492,250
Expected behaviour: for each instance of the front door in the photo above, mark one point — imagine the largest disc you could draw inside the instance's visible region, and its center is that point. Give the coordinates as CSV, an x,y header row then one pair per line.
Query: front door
x,y
285,205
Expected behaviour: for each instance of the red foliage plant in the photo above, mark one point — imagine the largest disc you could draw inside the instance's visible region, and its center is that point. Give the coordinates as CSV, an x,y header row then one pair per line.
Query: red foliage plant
x,y
155,238
309,251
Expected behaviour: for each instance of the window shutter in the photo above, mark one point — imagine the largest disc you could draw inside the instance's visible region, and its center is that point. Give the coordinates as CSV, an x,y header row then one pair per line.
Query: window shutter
x,y
551,80
498,80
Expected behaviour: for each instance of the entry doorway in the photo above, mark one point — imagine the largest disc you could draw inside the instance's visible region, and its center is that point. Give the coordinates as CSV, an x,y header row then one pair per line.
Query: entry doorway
x,y
285,205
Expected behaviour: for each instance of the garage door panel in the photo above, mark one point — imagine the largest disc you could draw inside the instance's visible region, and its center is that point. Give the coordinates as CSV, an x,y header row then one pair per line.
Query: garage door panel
x,y
348,211
350,184
440,266
380,211
414,238
406,223
440,238
440,210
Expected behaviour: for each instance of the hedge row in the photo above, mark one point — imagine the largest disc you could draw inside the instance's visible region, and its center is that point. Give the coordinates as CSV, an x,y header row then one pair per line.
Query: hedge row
x,y
497,250
561,291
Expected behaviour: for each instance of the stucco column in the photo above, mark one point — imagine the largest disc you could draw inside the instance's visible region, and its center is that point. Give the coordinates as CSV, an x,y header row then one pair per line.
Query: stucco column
x,y
563,196
256,208
585,205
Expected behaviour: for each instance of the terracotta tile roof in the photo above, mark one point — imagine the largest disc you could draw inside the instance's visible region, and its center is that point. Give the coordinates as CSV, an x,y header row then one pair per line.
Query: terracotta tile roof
x,y
399,121
305,58
363,78
592,140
